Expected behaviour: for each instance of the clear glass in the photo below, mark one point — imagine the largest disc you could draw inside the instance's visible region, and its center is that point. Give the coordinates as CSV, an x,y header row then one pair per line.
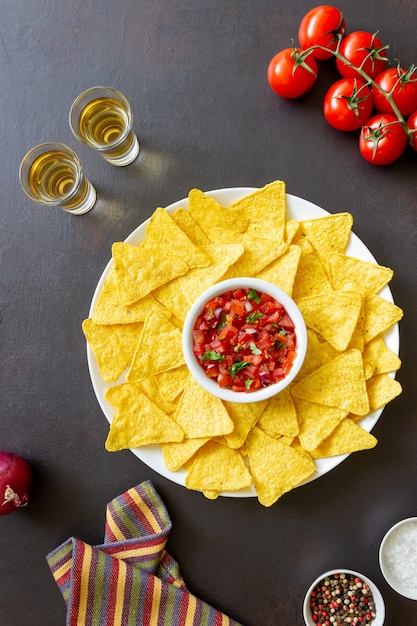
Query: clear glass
x,y
101,118
51,175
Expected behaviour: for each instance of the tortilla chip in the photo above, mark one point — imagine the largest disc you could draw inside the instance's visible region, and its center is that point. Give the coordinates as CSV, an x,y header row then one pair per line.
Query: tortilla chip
x,y
159,349
311,277
140,271
172,382
382,358
222,256
258,253
176,455
276,468
171,297
139,422
283,270
149,387
380,315
264,211
318,353
201,414
365,275
292,228
113,346
346,438
209,214
317,422
182,217
327,234
280,417
381,390
109,310
244,416
217,468
163,234
340,383
333,316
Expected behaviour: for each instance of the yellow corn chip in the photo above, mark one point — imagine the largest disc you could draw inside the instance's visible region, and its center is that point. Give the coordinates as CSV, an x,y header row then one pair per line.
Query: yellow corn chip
x,y
381,390
171,297
264,211
200,414
176,455
382,358
140,271
280,417
327,234
380,315
209,214
276,468
222,256
346,438
112,394
163,234
364,275
292,228
311,277
139,422
217,468
244,416
333,316
258,253
340,383
283,270
317,422
159,349
149,387
318,353
113,346
109,309
182,217
172,382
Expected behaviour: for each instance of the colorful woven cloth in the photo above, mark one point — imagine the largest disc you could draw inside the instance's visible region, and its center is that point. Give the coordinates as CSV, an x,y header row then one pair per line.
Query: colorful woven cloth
x,y
129,580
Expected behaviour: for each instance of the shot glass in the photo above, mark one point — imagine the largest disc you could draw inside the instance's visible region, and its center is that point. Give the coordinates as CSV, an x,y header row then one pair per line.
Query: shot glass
x,y
51,175
101,118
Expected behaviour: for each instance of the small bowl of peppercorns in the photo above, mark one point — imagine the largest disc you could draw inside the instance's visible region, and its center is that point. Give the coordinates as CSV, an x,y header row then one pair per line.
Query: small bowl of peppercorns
x,y
343,596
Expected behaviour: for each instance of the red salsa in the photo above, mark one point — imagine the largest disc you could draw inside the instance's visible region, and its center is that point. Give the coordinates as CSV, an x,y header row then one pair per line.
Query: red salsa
x,y
244,340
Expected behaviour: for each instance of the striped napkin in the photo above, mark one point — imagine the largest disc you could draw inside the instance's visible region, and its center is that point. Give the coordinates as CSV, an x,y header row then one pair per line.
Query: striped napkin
x,y
130,579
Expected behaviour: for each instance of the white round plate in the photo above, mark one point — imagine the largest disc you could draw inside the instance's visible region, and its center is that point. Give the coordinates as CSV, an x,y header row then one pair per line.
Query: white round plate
x,y
298,209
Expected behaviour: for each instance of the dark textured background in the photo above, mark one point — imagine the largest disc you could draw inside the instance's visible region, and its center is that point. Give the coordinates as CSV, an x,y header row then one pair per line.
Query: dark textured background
x,y
195,73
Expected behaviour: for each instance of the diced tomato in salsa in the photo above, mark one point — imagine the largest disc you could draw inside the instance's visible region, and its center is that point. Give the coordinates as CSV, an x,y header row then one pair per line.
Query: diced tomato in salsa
x,y
244,340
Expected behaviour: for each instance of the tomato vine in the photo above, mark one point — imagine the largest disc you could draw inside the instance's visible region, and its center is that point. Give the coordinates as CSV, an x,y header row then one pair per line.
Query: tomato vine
x,y
359,56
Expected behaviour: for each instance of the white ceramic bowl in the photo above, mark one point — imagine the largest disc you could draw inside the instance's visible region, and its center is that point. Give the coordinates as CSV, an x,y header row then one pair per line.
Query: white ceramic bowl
x,y
260,286
394,543
378,599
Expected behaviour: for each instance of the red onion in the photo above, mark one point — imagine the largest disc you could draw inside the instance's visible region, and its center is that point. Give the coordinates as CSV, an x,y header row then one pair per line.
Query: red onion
x,y
16,480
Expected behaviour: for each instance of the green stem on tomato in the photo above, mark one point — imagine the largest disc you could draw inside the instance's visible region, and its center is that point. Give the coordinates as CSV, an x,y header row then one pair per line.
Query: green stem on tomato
x,y
336,53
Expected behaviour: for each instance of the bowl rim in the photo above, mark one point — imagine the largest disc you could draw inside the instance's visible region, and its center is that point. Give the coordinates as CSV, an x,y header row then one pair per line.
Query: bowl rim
x,y
260,285
377,596
400,588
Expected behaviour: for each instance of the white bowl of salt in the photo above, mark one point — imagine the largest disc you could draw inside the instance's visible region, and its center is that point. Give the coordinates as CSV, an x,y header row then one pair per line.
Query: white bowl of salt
x,y
398,557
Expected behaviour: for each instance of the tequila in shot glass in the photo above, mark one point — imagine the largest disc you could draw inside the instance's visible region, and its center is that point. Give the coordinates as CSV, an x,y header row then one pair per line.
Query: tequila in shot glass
x,y
101,118
51,174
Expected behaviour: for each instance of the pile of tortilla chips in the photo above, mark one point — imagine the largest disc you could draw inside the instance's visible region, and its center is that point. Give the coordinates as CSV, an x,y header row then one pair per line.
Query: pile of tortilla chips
x,y
135,336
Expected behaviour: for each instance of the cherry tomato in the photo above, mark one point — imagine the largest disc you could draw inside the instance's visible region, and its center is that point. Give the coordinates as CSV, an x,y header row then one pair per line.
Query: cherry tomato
x,y
412,124
348,104
402,84
292,72
382,139
362,50
321,26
